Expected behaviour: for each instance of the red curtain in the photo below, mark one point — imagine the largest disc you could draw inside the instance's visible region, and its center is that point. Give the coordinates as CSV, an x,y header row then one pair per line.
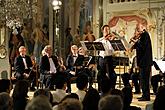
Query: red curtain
x,y
115,19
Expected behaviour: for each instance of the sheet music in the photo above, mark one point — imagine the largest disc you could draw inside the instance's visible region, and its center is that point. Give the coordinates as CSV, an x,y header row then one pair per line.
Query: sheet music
x,y
117,45
154,71
161,65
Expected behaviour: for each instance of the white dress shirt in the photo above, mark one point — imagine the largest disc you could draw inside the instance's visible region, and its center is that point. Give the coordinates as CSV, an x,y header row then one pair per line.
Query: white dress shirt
x,y
75,57
108,47
24,61
52,66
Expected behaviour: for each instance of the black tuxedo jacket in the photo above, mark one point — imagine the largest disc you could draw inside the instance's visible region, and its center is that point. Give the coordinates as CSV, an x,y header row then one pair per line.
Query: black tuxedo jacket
x,y
70,62
144,50
19,65
45,65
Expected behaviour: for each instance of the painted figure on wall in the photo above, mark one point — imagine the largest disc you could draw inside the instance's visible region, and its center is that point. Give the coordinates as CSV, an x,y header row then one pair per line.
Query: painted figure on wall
x,y
88,33
77,37
69,40
29,43
40,42
15,41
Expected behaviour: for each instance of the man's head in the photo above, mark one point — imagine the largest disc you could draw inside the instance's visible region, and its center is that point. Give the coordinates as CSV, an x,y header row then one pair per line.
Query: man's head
x,y
110,102
70,104
48,50
81,51
61,82
43,52
74,49
6,102
22,50
105,30
40,102
5,85
141,26
82,81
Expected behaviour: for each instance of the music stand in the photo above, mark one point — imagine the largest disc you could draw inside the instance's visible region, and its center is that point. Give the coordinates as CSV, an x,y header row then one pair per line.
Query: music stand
x,y
159,65
117,45
93,46
98,46
79,61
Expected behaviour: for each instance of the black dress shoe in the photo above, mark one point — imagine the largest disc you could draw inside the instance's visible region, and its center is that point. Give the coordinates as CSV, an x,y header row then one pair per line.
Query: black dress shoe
x,y
144,99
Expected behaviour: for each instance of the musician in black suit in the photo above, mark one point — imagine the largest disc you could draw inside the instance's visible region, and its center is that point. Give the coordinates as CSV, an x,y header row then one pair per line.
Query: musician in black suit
x,y
71,65
49,66
23,67
71,58
144,60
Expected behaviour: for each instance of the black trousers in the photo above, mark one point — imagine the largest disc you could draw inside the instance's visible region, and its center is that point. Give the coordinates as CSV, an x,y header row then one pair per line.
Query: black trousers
x,y
144,80
106,69
31,78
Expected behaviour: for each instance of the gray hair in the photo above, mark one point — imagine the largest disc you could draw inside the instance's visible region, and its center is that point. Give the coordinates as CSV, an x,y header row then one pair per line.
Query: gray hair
x,y
39,103
6,102
47,47
70,104
110,102
21,47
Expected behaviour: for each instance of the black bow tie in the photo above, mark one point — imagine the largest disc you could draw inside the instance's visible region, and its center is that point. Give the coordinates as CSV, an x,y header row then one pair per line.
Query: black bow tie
x,y
23,56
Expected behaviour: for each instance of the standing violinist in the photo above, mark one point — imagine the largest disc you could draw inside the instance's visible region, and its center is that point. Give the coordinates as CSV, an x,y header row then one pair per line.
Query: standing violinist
x,y
144,59
105,63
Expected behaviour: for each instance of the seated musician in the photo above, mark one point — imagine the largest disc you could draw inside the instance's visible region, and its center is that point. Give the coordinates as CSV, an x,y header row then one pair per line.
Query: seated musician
x,y
71,59
74,63
23,67
70,67
49,66
89,65
75,60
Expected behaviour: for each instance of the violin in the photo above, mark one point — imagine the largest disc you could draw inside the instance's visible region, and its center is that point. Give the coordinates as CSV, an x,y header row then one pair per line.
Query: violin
x,y
110,36
136,37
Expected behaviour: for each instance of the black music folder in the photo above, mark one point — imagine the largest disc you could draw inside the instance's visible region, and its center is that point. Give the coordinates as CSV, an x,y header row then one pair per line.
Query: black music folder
x,y
99,46
94,46
79,61
117,45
